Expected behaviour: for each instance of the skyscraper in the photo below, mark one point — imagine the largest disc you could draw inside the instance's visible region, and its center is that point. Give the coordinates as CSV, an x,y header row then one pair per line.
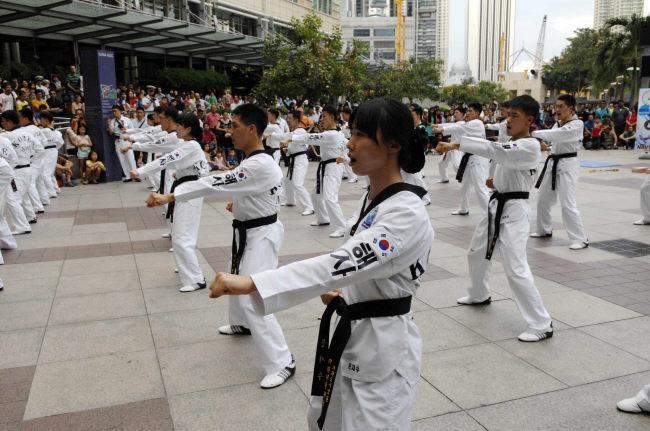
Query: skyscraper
x,y
487,23
606,9
432,31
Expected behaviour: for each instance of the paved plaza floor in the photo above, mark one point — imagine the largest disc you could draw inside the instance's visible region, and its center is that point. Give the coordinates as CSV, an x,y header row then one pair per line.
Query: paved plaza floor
x,y
94,334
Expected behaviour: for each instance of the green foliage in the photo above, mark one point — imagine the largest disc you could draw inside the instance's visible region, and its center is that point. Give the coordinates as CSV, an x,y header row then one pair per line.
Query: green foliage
x,y
484,92
192,79
312,65
24,71
412,79
573,70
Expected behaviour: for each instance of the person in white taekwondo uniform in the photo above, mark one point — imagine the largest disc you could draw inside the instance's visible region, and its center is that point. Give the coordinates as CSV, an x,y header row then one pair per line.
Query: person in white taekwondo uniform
x,y
12,197
328,175
365,379
38,194
54,142
147,137
184,154
472,170
7,241
273,126
452,156
25,146
645,203
505,226
502,129
116,127
294,181
345,128
561,177
257,234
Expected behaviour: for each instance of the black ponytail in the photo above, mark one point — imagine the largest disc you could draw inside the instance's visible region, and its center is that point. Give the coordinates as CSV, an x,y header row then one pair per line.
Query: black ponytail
x,y
395,122
191,121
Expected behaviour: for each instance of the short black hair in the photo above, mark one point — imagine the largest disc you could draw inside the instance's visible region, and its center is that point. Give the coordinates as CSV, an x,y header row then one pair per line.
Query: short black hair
x,y
331,110
346,109
116,107
27,113
251,114
568,99
139,108
394,120
171,113
150,117
47,115
158,109
191,121
461,109
506,104
417,109
275,112
526,104
10,115
475,106
296,114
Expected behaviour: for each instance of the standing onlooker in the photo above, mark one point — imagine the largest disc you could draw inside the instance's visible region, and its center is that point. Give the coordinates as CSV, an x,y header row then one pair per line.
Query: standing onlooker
x,y
7,99
212,119
208,138
73,83
630,122
83,143
619,117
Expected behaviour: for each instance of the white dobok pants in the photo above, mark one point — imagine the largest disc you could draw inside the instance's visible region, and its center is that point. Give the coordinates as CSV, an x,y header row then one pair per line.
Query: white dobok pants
x,y
295,187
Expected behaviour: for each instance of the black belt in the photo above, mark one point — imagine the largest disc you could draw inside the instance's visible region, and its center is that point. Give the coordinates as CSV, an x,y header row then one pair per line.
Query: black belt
x,y
239,246
320,174
463,165
22,166
49,147
328,354
178,182
292,161
501,198
556,158
161,187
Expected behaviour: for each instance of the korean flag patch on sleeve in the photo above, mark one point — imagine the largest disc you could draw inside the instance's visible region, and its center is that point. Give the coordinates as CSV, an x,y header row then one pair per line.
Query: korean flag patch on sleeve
x,y
384,245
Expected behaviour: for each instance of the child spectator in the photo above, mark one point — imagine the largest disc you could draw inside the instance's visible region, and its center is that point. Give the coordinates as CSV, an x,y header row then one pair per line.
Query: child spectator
x,y
208,138
83,143
220,163
596,135
232,160
63,171
94,169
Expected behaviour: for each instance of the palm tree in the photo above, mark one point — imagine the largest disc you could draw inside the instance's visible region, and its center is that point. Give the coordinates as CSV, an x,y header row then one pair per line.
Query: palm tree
x,y
619,48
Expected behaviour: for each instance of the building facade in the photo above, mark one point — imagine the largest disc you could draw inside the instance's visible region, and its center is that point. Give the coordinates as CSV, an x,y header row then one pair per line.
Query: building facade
x,y
374,23
606,9
489,24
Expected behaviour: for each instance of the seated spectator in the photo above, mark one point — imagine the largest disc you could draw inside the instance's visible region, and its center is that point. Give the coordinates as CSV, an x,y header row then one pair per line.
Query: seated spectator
x,y
628,138
21,101
588,130
63,171
83,143
609,139
232,160
219,163
208,137
55,102
94,169
39,101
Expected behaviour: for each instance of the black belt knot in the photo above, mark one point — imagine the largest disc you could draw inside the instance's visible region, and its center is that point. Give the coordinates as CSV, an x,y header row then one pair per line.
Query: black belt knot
x,y
241,227
328,354
320,174
172,204
49,147
292,161
501,198
22,166
462,166
556,158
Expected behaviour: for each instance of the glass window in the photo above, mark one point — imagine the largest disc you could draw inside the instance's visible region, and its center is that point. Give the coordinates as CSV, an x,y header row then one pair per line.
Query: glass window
x,y
361,32
384,32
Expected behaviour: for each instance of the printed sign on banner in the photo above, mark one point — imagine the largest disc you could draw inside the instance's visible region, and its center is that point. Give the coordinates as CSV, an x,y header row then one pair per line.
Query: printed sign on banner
x,y
643,120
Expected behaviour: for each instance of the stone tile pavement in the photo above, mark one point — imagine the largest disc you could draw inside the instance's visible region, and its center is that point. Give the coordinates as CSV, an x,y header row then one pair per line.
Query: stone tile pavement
x,y
94,334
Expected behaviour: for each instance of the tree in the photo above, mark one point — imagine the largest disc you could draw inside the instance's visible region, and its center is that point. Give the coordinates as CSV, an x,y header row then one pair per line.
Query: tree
x,y
573,70
193,79
412,79
311,65
618,48
485,92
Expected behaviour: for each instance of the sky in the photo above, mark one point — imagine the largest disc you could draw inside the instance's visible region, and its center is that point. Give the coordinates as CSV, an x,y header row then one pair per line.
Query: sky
x,y
564,17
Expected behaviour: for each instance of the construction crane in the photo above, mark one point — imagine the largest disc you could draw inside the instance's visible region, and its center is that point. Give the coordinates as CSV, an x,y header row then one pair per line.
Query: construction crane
x,y
400,5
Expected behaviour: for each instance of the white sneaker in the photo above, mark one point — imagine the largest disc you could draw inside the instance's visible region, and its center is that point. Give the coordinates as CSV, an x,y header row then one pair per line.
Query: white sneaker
x,y
171,250
353,181
532,335
541,235
284,204
315,223
637,404
166,235
275,380
307,212
641,221
460,212
21,233
192,287
337,234
2,286
234,330
466,300
176,270
579,245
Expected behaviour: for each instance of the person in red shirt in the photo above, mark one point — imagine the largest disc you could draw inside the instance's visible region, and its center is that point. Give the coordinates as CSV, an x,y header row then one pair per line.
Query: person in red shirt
x,y
212,119
208,137
630,122
596,134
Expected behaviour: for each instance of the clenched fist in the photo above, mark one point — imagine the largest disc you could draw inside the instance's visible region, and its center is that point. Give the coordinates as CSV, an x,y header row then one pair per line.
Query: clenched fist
x,y
230,284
